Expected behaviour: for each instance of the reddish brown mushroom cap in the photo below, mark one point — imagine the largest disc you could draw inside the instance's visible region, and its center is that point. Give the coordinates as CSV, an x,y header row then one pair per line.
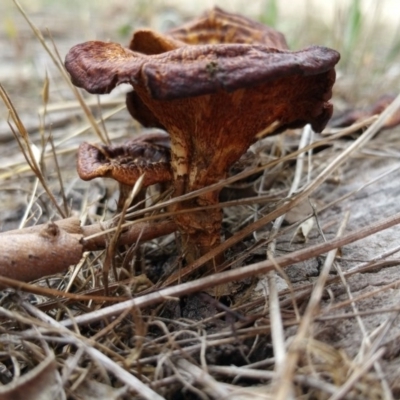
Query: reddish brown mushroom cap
x,y
148,155
218,26
222,95
213,27
192,70
292,87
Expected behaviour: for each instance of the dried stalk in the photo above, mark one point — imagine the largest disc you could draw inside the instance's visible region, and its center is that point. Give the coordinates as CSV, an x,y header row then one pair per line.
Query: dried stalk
x,y
34,252
29,256
275,314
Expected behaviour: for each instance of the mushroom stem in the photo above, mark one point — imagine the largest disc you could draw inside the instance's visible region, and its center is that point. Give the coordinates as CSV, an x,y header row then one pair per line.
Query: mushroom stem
x,y
200,230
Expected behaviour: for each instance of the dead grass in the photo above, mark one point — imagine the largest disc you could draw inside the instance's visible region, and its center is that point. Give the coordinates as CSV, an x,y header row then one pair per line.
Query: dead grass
x,y
303,307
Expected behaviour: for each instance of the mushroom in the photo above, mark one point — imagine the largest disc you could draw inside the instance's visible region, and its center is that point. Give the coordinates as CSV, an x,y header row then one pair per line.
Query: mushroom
x,y
148,154
212,99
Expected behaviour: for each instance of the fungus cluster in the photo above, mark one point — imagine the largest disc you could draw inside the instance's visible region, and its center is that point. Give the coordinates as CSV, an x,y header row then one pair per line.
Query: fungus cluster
x,y
212,85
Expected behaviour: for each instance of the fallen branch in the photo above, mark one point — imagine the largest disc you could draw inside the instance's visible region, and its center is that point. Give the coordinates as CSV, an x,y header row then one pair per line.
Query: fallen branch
x,y
32,253
29,255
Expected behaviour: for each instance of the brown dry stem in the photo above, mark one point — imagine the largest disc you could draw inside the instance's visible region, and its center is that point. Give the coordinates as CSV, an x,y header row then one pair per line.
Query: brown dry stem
x,y
34,252
31,255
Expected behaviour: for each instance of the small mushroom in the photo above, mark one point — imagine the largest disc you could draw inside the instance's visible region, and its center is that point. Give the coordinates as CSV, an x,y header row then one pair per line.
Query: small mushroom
x,y
147,154
212,99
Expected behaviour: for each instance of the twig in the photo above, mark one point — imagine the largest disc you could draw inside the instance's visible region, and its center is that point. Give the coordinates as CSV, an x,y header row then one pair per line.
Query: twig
x,y
32,253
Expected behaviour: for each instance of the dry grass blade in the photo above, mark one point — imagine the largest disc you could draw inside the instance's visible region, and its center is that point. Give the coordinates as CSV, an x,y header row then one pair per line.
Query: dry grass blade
x,y
208,384
275,314
26,147
41,382
252,171
111,248
30,204
57,294
127,378
341,393
366,295
63,72
366,340
269,375
63,196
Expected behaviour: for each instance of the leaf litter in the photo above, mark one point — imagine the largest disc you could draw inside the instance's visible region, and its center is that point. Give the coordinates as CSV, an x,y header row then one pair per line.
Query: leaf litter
x,y
332,339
